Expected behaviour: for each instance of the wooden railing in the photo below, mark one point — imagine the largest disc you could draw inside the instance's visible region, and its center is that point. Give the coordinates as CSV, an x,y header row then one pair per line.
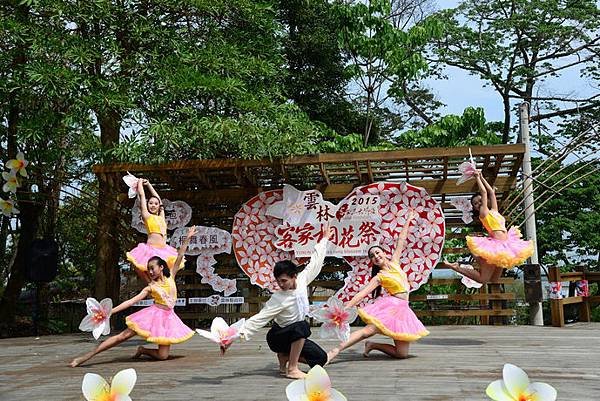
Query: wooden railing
x,y
557,306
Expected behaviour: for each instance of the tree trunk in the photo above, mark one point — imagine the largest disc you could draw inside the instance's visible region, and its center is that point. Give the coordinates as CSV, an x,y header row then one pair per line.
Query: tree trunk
x,y
506,127
3,244
108,277
29,216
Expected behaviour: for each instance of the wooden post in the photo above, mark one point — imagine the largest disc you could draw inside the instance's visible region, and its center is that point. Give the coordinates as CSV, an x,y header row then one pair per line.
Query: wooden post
x,y
556,305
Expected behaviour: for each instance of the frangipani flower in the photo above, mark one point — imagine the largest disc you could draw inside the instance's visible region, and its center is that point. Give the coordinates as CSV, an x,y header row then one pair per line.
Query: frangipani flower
x,y
336,319
516,387
464,205
7,207
97,319
467,171
132,182
221,333
12,182
316,386
95,388
18,165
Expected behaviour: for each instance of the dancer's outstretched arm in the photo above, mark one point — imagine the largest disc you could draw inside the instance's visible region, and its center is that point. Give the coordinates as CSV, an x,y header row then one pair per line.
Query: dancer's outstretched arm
x,y
374,283
126,304
314,266
490,192
142,199
483,210
401,244
177,265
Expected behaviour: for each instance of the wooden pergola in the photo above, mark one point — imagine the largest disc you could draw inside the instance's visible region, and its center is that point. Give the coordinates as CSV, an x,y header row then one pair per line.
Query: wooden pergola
x,y
216,189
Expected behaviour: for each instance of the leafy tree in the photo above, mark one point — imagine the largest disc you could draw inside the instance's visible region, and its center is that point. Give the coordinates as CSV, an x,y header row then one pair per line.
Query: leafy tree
x,y
315,75
383,55
517,45
468,129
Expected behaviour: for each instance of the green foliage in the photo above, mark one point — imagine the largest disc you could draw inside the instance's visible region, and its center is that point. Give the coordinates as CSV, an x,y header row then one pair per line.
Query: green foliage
x,y
381,52
275,132
568,225
316,76
515,45
468,129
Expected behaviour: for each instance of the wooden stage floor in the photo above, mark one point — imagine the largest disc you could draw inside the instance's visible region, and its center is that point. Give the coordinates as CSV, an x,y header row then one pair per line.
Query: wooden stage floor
x,y
454,363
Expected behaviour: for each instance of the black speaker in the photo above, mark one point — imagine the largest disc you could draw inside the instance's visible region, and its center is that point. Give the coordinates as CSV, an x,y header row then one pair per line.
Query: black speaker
x,y
42,260
532,280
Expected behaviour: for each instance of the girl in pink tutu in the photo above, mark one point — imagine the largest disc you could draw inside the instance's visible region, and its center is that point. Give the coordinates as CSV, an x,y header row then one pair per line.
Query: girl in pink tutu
x,y
153,214
157,323
501,249
389,314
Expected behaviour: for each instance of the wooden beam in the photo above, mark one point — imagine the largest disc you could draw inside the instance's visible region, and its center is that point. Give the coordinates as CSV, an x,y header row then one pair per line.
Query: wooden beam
x,y
394,155
324,173
433,187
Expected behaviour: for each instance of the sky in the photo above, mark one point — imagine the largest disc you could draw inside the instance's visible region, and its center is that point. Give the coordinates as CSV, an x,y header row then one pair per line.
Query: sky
x,y
462,90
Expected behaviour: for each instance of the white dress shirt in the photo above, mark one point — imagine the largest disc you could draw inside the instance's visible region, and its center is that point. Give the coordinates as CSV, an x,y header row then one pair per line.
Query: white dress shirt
x,y
290,306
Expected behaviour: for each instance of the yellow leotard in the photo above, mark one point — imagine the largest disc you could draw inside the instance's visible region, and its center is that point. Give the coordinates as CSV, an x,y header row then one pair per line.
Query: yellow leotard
x,y
165,292
393,280
493,221
156,225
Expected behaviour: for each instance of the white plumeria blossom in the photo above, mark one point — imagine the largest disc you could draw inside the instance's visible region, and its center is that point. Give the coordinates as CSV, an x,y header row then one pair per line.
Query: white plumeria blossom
x,y
221,333
467,171
7,207
335,318
132,182
95,388
515,386
11,182
18,165
316,386
98,318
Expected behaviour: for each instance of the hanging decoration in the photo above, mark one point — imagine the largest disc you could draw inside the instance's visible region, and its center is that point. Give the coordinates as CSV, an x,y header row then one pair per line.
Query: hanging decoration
x,y
207,242
285,224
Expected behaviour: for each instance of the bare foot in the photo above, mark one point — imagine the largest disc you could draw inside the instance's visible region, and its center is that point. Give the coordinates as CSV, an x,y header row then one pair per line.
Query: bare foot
x,y
332,354
76,362
295,374
138,353
368,348
283,360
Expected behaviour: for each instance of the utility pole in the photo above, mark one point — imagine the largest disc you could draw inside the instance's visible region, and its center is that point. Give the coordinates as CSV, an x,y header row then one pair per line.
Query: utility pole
x,y
535,308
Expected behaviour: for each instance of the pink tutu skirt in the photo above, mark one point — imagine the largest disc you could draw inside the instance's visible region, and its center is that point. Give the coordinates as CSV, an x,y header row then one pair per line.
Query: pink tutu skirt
x,y
394,318
140,255
159,325
507,253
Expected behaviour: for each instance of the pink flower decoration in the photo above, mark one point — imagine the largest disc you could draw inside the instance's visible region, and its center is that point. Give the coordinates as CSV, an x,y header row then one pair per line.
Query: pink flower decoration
x,y
336,319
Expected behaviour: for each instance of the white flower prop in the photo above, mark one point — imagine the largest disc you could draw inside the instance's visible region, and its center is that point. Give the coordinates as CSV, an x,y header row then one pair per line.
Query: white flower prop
x,y
336,319
316,386
132,182
97,320
516,387
467,171
221,333
465,206
7,207
95,388
18,165
12,182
